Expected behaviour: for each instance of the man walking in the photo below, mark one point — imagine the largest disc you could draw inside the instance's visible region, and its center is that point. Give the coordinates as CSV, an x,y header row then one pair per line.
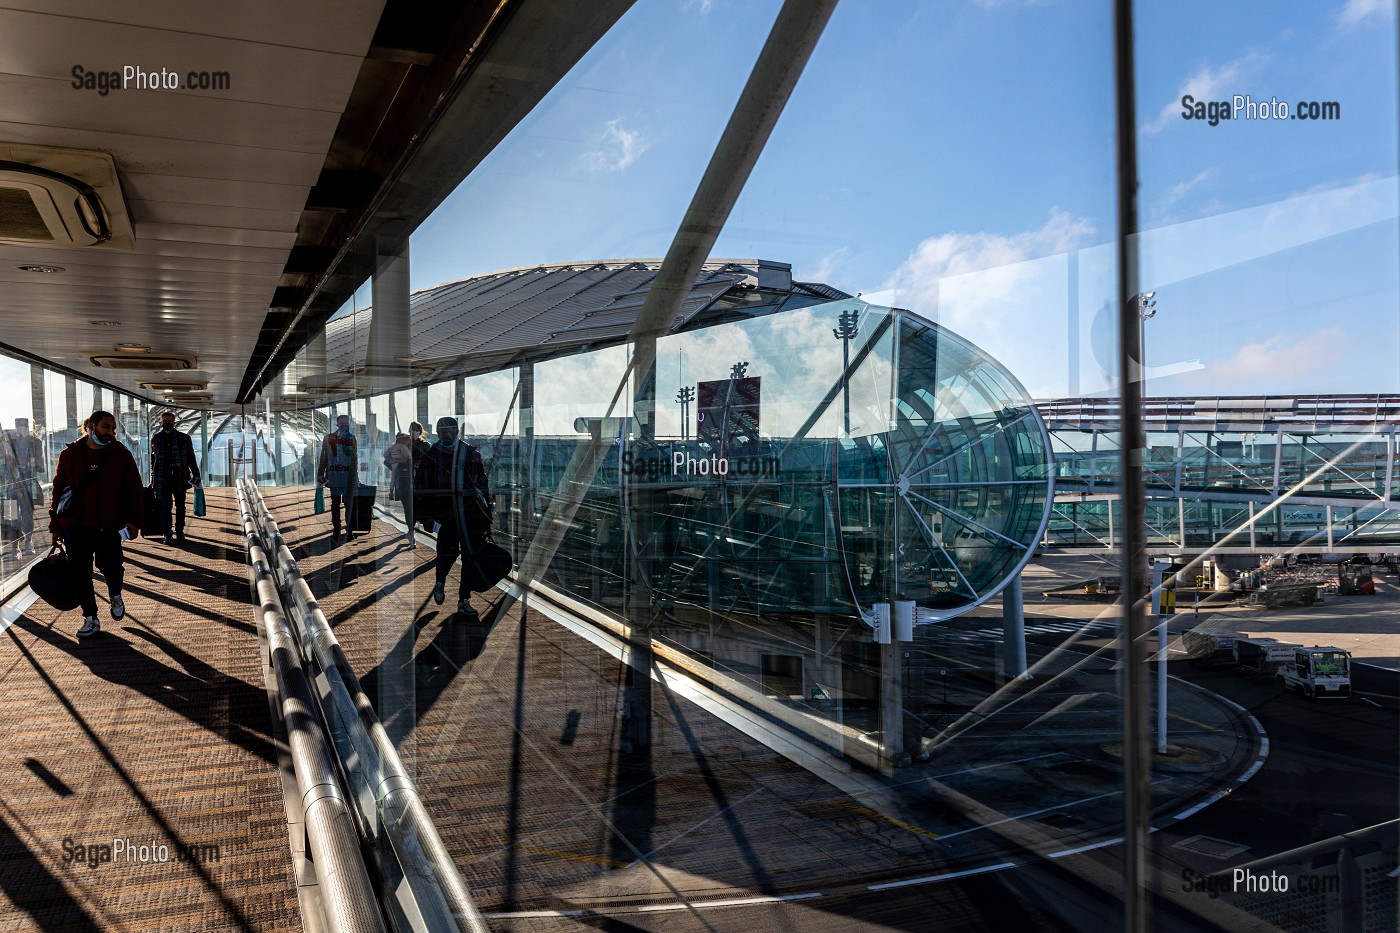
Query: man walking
x,y
106,502
339,471
452,493
173,469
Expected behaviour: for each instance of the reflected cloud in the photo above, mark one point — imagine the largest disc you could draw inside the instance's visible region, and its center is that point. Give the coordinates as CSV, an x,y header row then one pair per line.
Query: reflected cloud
x,y
1208,84
618,148
1264,360
1355,11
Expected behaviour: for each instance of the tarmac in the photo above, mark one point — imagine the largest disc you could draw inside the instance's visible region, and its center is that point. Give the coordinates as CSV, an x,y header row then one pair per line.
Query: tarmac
x,y
513,725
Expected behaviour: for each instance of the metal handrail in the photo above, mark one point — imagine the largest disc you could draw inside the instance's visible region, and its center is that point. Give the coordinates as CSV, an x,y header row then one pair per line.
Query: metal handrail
x,y
439,892
351,903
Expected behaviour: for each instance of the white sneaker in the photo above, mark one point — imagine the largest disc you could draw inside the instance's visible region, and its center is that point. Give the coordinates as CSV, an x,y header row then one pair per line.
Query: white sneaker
x,y
118,607
90,627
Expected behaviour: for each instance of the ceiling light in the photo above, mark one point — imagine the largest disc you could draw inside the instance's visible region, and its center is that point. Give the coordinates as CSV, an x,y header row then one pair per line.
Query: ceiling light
x,y
35,267
105,323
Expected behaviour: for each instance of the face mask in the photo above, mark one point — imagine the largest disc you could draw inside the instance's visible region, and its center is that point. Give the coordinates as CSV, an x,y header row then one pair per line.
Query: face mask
x,y
167,427
449,440
344,431
99,441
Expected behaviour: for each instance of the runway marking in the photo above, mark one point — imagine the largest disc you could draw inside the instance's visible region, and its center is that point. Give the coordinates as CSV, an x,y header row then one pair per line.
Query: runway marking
x,y
1000,866
1362,699
733,902
533,914
1022,816
1253,770
1090,846
1214,798
866,811
574,856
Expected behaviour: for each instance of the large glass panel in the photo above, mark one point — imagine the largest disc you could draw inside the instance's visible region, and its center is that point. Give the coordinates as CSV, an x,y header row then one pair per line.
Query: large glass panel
x,y
1268,201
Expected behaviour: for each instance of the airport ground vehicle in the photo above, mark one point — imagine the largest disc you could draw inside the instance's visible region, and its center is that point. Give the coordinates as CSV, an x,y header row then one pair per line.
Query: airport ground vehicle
x,y
1317,672
1262,655
1210,649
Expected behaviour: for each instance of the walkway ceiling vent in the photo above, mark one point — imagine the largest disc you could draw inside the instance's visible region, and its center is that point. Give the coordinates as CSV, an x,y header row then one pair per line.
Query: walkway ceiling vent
x,y
149,362
61,198
189,398
191,386
323,385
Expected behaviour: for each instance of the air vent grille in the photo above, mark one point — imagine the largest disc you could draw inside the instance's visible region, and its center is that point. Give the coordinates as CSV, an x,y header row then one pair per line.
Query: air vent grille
x,y
145,362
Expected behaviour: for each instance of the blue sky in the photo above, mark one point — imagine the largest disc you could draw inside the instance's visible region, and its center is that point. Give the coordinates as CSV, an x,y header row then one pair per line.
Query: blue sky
x,y
951,157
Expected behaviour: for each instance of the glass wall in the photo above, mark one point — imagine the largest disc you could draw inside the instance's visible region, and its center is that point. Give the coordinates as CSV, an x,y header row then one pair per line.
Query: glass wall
x,y
922,420
41,411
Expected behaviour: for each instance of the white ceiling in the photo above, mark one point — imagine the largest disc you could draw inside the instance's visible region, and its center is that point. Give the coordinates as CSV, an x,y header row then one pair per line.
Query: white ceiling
x,y
215,181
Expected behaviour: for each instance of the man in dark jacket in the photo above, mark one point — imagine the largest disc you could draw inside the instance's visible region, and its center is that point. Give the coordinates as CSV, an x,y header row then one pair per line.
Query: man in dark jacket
x,y
107,502
173,469
452,496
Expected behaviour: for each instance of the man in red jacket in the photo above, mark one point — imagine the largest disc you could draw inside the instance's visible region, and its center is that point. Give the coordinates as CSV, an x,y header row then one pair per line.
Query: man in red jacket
x,y
108,501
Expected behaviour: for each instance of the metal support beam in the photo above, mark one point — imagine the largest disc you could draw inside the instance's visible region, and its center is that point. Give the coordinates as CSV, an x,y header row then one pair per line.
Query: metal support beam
x,y
1137,761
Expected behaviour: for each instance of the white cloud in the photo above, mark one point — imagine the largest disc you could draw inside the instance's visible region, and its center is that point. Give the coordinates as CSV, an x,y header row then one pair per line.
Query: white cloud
x,y
1260,366
825,269
617,148
704,6
1208,84
953,254
1181,189
1357,10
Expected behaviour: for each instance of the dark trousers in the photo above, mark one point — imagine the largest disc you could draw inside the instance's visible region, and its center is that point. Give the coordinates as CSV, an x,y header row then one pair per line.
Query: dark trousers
x,y
173,494
85,544
449,546
337,502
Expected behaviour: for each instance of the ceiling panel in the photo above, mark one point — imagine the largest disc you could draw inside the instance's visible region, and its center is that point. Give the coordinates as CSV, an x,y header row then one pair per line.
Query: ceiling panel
x,y
216,182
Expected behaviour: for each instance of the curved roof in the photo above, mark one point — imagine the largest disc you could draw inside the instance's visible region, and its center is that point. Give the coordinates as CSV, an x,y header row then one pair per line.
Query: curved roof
x,y
489,322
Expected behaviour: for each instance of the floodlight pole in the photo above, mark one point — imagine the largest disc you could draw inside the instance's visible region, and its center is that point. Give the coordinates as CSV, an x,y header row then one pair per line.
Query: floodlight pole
x,y
845,331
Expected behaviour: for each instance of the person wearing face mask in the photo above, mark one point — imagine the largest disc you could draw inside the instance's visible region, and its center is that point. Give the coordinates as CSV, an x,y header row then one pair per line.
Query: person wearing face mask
x,y
107,501
173,470
339,470
453,496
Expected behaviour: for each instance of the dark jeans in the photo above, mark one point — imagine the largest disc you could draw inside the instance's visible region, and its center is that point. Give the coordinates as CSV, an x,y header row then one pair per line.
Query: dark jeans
x,y
173,494
449,546
336,503
84,544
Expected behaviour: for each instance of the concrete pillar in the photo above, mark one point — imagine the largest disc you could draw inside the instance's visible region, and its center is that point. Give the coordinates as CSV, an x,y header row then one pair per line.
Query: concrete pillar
x,y
389,319
70,393
387,359
39,406
892,704
1013,644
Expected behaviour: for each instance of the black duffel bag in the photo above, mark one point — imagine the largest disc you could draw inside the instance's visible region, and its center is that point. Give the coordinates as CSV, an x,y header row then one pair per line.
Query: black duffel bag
x,y
54,580
485,566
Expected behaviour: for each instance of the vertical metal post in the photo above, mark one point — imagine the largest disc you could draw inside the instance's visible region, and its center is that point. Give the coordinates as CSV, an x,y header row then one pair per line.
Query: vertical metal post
x,y
1013,644
1133,683
1157,569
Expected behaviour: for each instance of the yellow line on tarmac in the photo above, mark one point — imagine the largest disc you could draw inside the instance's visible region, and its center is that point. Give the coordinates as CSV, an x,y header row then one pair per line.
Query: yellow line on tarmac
x,y
876,814
574,856
1193,722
